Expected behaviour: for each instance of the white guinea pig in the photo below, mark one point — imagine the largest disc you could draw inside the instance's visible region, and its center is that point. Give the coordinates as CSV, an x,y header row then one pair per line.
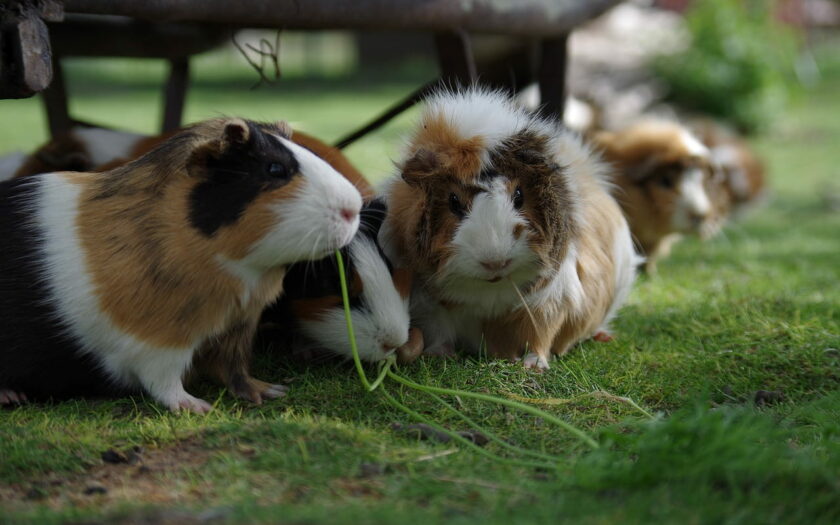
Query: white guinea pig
x,y
507,222
116,281
312,305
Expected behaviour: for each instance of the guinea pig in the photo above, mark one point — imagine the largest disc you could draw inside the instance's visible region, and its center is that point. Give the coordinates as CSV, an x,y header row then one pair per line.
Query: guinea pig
x,y
663,172
312,307
508,224
739,180
116,281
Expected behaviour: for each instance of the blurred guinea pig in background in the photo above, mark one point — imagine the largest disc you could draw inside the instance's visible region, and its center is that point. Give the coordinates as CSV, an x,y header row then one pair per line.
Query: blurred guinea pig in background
x,y
664,175
740,176
507,222
118,281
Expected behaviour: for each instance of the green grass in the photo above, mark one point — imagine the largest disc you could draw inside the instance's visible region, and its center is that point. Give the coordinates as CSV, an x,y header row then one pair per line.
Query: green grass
x,y
754,310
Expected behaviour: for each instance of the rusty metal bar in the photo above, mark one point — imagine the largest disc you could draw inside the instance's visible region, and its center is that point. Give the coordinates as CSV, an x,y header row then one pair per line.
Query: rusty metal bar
x,y
526,18
387,115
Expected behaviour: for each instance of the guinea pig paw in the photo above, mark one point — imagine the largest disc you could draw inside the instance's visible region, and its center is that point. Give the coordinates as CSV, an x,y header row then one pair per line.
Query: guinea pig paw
x,y
193,404
603,337
271,390
535,361
257,391
10,397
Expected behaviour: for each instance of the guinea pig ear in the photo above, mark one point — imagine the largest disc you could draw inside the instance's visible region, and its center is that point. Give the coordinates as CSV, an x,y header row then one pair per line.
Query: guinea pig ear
x,y
201,155
284,128
417,170
236,132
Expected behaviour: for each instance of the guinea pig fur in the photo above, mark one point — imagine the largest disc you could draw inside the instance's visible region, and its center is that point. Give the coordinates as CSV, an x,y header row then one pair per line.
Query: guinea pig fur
x,y
664,174
739,179
491,202
115,281
378,295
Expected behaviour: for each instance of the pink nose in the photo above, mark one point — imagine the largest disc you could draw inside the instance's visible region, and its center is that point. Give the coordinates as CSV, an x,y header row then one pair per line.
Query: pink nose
x,y
497,265
348,215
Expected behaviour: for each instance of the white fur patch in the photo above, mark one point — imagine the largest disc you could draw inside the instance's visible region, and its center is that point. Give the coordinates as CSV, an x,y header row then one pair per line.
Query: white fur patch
x,y
692,201
105,145
478,112
380,326
310,225
693,145
127,360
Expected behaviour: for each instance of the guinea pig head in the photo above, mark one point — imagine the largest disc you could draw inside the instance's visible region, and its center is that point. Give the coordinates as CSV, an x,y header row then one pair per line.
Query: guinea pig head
x,y
495,204
665,173
378,296
265,200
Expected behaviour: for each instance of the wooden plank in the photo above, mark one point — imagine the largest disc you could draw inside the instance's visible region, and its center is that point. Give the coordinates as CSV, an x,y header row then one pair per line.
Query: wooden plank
x,y
26,56
526,18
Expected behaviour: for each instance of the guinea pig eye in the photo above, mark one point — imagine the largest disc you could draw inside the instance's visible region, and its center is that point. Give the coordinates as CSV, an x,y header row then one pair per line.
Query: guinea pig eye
x,y
275,169
518,198
665,181
455,205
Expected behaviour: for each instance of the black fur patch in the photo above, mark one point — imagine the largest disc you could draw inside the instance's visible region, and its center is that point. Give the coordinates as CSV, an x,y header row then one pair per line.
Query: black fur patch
x,y
234,177
37,356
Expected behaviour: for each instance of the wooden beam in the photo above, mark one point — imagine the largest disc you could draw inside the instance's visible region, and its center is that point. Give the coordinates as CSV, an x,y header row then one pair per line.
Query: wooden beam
x,y
175,93
552,76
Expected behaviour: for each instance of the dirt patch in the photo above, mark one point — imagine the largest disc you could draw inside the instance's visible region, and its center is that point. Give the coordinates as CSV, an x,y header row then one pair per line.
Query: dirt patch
x,y
154,476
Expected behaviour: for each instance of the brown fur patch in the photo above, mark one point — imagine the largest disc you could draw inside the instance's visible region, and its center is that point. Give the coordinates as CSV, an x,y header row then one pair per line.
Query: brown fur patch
x,y
402,279
458,156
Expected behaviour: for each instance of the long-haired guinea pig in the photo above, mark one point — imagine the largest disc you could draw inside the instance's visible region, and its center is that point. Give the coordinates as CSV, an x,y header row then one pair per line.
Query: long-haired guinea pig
x,y
664,173
739,180
85,148
313,311
493,202
115,281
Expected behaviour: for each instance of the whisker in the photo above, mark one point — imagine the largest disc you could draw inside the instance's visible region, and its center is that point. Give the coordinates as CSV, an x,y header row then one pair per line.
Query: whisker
x,y
524,303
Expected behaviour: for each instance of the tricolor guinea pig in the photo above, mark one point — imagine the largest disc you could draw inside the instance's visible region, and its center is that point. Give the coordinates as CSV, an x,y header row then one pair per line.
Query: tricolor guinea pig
x,y
508,224
312,308
664,173
116,281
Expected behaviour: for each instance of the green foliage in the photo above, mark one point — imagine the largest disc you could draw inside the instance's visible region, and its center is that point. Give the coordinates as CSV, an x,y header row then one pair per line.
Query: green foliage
x,y
738,66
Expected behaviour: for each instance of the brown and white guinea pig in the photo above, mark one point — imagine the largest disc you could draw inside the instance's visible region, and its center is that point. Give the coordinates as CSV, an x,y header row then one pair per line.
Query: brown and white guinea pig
x,y
740,177
493,201
116,281
312,309
663,172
